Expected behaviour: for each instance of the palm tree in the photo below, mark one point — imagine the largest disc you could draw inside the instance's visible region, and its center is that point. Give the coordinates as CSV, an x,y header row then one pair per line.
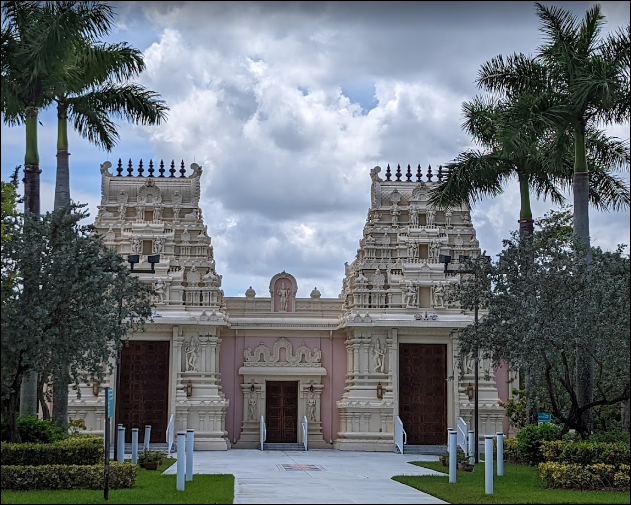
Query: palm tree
x,y
93,86
35,37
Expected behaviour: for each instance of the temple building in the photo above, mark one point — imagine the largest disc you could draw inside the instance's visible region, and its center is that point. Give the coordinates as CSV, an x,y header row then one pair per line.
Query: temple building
x,y
343,372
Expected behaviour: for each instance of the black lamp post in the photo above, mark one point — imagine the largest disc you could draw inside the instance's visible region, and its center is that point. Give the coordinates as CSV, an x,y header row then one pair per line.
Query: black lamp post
x,y
446,259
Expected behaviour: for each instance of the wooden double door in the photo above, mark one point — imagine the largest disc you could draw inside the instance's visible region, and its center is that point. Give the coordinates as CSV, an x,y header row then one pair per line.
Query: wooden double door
x,y
144,389
423,393
281,411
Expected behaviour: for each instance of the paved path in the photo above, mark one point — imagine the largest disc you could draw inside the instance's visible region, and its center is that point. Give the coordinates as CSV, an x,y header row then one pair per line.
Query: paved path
x,y
318,476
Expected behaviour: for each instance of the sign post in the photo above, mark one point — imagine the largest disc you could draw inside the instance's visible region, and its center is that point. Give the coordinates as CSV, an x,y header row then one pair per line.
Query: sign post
x,y
109,410
544,418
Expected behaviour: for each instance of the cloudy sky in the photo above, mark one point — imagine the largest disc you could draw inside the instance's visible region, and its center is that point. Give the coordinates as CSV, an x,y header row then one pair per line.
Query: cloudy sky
x,y
288,105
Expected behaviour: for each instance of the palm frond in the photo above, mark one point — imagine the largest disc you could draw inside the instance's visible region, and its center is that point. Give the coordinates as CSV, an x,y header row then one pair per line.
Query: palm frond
x,y
607,191
473,176
92,124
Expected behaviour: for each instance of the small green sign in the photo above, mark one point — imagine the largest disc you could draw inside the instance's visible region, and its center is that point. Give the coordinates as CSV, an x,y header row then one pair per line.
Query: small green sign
x,y
544,418
110,402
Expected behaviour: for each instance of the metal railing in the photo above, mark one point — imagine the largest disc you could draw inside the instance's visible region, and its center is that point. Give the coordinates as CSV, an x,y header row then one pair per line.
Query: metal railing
x,y
263,432
170,433
400,436
462,435
305,431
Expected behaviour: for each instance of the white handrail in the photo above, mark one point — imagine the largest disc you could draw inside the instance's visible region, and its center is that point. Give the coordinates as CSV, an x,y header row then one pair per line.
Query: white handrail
x,y
262,432
462,435
170,433
305,431
400,435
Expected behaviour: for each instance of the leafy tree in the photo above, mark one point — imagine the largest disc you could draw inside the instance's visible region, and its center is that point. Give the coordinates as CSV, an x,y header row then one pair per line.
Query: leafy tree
x,y
543,314
83,307
587,84
36,39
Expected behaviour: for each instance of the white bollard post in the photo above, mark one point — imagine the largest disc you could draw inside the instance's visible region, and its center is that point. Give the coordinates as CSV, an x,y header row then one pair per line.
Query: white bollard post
x,y
190,443
147,436
134,445
181,459
471,447
453,455
500,454
121,444
488,464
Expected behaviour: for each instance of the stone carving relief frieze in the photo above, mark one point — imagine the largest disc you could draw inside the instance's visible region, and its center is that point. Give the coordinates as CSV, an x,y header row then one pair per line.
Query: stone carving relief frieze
x,y
261,356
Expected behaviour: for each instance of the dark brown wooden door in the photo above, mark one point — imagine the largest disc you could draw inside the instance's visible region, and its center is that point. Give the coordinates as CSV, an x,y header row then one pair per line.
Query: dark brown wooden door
x,y
423,393
144,389
281,411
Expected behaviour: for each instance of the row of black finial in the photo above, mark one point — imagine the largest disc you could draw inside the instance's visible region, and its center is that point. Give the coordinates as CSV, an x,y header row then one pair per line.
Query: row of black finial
x,y
150,170
408,174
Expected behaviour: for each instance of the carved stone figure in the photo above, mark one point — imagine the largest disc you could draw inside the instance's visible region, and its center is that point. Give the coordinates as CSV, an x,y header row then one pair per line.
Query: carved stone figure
x,y
414,216
136,245
192,352
395,214
252,407
311,408
466,218
439,295
283,296
410,296
158,245
122,211
430,217
448,214
159,288
157,213
434,248
140,213
378,352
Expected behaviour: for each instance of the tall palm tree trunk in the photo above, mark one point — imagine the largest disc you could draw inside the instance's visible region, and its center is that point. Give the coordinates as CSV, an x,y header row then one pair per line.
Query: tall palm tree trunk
x,y
584,359
526,231
62,199
28,388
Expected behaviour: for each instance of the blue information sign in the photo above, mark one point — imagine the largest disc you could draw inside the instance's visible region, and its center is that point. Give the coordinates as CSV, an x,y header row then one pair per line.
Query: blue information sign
x,y
110,402
544,418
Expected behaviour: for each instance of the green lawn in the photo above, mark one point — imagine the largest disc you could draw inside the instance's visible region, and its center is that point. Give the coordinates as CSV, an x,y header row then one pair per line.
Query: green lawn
x,y
520,484
151,487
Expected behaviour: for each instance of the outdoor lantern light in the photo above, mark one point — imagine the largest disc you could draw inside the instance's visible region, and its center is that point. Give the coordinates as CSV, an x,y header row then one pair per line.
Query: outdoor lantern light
x,y
133,259
96,388
252,388
311,388
470,392
189,388
379,391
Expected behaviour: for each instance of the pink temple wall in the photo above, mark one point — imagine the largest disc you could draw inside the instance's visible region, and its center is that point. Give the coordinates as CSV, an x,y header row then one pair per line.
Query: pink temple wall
x,y
503,390
333,360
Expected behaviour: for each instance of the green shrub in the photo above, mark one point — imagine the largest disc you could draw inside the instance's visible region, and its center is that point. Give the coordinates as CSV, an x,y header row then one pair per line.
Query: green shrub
x,y
598,476
34,430
551,449
510,450
72,451
587,453
529,440
49,477
611,436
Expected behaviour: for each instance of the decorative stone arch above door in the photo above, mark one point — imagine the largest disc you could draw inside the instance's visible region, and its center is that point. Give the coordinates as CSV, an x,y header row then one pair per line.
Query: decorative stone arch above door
x,y
282,289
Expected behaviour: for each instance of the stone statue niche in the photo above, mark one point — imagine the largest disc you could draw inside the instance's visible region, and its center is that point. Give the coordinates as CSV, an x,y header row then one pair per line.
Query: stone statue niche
x,y
282,290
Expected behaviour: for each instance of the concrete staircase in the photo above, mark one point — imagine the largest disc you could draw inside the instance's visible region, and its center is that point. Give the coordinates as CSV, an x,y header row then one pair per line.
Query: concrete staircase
x,y
283,447
430,450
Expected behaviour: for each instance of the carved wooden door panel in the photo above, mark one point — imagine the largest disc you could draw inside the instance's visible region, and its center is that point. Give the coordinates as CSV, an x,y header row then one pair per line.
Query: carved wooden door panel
x,y
423,393
281,411
144,389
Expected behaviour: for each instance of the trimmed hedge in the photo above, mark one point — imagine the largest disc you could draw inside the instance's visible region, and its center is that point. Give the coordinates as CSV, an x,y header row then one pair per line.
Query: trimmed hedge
x,y
529,440
71,451
586,453
57,477
598,476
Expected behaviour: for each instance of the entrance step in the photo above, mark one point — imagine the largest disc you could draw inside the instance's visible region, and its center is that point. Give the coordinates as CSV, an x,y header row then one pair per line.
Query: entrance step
x,y
431,450
283,447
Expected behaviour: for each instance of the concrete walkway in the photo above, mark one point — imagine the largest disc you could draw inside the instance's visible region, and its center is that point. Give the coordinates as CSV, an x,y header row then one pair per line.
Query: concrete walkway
x,y
315,476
